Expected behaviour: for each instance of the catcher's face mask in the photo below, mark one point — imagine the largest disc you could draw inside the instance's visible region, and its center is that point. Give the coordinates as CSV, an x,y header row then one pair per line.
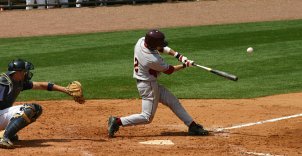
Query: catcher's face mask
x,y
28,74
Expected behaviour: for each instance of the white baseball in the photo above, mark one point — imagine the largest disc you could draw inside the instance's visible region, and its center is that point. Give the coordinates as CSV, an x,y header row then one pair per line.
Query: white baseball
x,y
249,50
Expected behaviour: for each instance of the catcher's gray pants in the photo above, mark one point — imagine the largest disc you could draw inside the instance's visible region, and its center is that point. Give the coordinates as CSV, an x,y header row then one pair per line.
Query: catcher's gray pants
x,y
152,93
7,114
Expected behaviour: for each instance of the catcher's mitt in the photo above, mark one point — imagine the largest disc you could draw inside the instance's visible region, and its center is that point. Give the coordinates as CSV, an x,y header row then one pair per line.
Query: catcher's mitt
x,y
75,90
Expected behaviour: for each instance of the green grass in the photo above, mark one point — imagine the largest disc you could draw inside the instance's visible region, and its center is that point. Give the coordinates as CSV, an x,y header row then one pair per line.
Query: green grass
x,y
103,62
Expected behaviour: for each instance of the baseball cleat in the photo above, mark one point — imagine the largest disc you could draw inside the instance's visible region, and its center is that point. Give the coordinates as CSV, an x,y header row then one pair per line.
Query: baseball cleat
x,y
14,138
197,130
6,143
112,126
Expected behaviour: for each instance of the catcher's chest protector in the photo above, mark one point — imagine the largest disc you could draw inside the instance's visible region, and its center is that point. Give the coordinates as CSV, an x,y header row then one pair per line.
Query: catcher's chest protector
x,y
10,96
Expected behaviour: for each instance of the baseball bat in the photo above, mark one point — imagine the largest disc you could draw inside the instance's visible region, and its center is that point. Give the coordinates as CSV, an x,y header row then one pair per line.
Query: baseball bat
x,y
218,72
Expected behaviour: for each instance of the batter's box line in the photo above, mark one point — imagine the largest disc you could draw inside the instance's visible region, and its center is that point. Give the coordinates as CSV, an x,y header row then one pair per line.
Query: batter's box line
x,y
244,151
257,123
260,154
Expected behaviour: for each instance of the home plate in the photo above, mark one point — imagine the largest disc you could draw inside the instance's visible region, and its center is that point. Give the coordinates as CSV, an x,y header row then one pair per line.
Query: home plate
x,y
158,142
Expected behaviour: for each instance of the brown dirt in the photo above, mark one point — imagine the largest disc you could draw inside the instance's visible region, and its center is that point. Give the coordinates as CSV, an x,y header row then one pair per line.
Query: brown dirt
x,y
66,128
83,20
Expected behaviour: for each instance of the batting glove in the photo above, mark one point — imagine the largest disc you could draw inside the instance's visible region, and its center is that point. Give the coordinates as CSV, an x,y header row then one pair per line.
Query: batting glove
x,y
180,57
188,63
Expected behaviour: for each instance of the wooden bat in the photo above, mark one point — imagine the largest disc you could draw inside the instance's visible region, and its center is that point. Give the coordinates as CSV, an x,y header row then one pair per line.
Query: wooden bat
x,y
218,72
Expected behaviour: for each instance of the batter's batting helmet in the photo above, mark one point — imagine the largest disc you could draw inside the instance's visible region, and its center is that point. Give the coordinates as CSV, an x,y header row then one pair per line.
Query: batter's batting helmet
x,y
154,38
21,65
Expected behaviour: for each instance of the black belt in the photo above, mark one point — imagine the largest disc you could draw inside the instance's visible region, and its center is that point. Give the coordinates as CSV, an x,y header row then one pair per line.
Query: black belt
x,y
137,80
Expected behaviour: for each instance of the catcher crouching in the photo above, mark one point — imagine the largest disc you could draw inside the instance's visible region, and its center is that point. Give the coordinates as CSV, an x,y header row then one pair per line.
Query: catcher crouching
x,y
17,79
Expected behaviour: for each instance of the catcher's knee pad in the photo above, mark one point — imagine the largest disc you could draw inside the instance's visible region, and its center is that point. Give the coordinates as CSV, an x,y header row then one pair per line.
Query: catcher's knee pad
x,y
31,112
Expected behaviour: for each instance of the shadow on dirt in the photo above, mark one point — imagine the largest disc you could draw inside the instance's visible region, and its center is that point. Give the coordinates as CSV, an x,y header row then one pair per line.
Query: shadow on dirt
x,y
165,134
173,134
180,134
47,142
156,135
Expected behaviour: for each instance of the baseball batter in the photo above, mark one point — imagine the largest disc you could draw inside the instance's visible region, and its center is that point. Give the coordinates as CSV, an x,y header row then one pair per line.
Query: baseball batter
x,y
148,65
14,118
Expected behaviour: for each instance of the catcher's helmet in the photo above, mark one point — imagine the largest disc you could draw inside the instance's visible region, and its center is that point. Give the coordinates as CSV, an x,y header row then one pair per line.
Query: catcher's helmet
x,y
154,38
21,65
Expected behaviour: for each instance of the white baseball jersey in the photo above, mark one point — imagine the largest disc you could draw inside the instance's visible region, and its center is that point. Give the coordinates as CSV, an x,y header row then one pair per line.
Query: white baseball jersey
x,y
147,64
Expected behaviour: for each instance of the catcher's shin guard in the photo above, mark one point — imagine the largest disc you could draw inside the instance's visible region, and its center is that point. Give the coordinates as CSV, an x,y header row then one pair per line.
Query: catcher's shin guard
x,y
29,113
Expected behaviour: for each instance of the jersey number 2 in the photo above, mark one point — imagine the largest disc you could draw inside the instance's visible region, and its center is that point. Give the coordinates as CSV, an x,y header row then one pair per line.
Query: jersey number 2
x,y
135,64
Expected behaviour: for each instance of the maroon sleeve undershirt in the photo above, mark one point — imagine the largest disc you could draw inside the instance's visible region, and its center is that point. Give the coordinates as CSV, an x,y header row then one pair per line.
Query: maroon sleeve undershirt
x,y
170,70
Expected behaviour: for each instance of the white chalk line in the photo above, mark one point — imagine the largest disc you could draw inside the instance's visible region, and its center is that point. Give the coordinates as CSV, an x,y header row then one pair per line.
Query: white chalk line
x,y
258,123
261,154
86,153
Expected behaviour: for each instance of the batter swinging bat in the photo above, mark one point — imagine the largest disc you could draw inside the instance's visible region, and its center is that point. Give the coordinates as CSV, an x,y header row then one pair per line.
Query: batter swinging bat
x,y
217,72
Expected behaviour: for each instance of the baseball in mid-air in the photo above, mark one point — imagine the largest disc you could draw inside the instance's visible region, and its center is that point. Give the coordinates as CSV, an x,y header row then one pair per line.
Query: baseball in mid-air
x,y
249,50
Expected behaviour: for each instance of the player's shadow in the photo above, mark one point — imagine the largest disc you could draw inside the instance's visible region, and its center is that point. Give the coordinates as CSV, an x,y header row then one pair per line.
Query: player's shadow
x,y
155,135
167,134
46,142
173,134
180,134
211,133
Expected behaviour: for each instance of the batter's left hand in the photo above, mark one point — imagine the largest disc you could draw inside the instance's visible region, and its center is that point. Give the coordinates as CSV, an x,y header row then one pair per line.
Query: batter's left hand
x,y
180,57
183,59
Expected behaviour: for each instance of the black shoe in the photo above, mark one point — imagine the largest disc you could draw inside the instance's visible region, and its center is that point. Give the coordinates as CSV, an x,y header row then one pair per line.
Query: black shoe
x,y
197,130
14,138
112,126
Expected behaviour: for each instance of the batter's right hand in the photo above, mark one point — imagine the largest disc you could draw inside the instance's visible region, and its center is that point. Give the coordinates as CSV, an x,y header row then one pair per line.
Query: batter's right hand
x,y
188,63
183,59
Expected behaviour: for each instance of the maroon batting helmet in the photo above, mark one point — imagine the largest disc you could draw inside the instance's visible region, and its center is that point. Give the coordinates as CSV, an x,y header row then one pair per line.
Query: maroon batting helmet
x,y
154,38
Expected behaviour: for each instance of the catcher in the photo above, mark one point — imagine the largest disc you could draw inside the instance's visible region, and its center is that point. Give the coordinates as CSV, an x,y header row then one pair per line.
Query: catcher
x,y
14,118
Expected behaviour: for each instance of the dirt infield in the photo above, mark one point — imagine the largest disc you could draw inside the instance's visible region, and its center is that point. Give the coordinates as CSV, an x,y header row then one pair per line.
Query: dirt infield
x,y
66,128
73,129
